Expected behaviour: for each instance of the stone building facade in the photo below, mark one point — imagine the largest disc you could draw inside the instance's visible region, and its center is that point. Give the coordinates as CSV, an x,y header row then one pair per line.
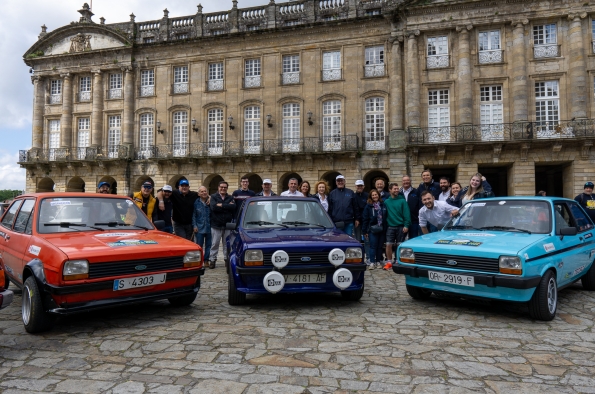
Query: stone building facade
x,y
311,89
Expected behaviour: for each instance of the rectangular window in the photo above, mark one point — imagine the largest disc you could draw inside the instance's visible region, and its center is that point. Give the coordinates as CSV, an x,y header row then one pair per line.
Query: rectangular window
x,y
252,73
547,109
85,89
146,135
491,113
291,69
54,137
114,135
55,91
147,83
437,46
489,47
375,55
180,80
545,34
331,125
291,127
115,86
252,129
83,137
215,131
215,76
375,133
438,116
331,66
180,134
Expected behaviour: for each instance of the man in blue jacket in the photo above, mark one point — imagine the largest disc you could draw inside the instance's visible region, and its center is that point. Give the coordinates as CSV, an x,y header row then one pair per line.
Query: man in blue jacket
x,y
342,206
223,208
414,202
429,184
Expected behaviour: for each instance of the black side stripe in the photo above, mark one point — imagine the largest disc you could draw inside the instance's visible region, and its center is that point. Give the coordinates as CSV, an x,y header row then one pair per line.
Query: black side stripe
x,y
560,251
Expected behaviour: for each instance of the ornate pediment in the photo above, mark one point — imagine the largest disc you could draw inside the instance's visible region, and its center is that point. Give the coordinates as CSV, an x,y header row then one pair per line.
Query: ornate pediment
x,y
83,41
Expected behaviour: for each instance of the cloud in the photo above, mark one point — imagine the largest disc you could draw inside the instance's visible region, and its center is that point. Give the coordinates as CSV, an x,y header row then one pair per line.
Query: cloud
x,y
12,177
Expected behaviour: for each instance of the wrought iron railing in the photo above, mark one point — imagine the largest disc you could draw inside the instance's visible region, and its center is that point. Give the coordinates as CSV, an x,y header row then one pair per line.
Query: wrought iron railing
x,y
491,56
114,94
214,85
252,81
374,70
545,51
438,61
179,87
289,78
332,74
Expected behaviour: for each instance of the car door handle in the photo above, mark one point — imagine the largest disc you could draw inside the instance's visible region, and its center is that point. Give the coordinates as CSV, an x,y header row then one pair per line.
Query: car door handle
x,y
7,237
581,238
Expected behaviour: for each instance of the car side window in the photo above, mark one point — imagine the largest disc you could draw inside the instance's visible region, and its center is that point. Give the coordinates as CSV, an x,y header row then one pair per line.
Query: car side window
x,y
9,217
563,218
24,216
582,221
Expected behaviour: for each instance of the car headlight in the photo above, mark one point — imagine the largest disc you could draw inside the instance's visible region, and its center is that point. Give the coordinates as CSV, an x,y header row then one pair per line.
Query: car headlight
x,y
75,270
510,265
253,257
406,255
193,259
353,255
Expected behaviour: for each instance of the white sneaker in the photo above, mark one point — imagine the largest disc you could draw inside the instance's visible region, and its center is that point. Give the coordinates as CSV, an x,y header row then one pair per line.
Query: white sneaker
x,y
371,266
378,265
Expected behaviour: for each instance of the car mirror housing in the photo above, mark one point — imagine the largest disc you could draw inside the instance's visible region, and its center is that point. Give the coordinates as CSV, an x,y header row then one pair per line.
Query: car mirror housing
x,y
231,226
340,225
159,224
567,231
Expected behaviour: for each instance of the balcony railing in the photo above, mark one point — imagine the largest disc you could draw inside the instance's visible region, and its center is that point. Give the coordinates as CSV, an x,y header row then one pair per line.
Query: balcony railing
x,y
114,94
545,51
491,56
214,85
180,87
332,74
290,78
374,70
55,99
438,61
84,96
148,90
252,81
502,132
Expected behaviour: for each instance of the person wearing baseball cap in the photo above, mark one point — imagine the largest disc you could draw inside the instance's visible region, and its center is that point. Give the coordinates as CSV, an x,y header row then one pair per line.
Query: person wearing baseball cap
x,y
343,207
103,188
182,201
586,199
267,191
165,215
361,197
144,200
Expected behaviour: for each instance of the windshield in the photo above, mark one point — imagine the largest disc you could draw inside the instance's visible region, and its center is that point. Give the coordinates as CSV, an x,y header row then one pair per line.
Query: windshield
x,y
58,215
504,215
285,214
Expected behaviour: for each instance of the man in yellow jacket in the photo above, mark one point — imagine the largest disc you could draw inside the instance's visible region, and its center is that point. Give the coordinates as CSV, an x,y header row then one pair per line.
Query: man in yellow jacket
x,y
145,201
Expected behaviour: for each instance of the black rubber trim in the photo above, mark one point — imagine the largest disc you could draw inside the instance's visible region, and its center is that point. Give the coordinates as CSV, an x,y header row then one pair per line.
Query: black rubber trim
x,y
480,279
299,270
107,285
67,309
7,296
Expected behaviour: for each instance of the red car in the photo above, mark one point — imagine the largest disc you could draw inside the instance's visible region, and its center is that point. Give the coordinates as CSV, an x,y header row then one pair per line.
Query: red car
x,y
5,294
75,252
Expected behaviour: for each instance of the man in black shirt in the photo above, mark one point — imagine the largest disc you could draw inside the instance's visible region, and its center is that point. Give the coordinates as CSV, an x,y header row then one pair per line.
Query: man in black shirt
x,y
243,193
587,200
361,198
165,215
183,208
223,208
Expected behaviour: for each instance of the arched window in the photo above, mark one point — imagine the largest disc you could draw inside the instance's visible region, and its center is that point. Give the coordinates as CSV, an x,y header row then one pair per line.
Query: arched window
x,y
146,135
331,125
291,127
215,131
375,135
252,129
180,133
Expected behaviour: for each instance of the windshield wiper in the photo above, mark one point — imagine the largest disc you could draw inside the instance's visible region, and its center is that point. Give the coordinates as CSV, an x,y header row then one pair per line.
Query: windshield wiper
x,y
504,228
69,224
304,223
114,224
265,223
461,227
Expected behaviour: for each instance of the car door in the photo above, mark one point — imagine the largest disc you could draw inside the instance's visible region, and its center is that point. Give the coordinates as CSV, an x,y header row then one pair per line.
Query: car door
x,y
567,251
586,233
10,258
21,236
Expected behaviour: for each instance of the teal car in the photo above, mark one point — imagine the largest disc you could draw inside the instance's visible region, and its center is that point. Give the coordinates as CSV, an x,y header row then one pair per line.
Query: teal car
x,y
518,249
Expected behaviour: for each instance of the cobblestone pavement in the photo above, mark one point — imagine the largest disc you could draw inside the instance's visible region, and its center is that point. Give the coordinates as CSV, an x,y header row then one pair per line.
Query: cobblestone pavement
x,y
385,343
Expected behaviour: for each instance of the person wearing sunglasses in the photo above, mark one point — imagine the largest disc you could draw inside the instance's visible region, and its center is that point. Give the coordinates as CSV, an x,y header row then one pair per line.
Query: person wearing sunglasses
x,y
145,200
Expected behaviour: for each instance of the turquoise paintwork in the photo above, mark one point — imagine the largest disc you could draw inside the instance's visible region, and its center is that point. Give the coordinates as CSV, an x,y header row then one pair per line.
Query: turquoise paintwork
x,y
570,257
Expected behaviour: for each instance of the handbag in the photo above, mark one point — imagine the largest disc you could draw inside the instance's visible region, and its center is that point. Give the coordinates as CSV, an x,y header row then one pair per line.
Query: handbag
x,y
376,229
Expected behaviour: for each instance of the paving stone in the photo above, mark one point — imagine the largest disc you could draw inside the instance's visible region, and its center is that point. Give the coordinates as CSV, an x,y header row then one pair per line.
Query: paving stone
x,y
280,361
83,386
218,387
129,388
28,384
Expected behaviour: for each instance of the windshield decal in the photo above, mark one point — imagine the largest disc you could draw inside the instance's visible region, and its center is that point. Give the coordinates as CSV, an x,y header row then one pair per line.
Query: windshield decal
x,y
549,247
479,204
55,203
477,235
34,250
131,242
264,203
461,242
114,235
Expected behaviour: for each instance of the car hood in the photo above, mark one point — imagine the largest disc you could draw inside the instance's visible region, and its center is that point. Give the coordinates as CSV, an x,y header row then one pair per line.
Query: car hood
x,y
474,243
304,234
119,245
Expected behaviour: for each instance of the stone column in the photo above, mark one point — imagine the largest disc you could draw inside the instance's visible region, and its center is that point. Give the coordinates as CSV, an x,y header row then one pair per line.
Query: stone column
x,y
412,85
66,120
519,71
128,116
465,86
577,68
97,110
38,106
396,81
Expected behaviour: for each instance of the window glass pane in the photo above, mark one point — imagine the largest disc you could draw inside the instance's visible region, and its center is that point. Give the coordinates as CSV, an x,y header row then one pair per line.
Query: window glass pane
x,y
375,55
9,216
215,71
252,68
24,216
115,81
147,78
331,60
181,74
582,220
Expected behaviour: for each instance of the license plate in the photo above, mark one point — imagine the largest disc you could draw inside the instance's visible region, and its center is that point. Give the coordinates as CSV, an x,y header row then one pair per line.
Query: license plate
x,y
305,278
139,281
453,279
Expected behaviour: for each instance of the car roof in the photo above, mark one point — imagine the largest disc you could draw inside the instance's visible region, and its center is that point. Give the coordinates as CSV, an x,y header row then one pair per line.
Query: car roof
x,y
68,194
519,198
284,198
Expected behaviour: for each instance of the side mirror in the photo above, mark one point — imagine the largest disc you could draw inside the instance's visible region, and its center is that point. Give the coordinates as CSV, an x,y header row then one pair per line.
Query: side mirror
x,y
340,225
231,226
567,231
159,224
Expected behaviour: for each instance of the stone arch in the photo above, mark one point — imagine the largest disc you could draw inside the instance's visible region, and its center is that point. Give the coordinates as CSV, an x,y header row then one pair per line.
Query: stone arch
x,y
139,183
371,176
255,182
112,182
45,185
284,179
75,184
174,181
212,182
329,177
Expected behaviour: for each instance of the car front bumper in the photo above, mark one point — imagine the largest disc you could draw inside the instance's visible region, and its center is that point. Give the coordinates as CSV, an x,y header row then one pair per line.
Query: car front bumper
x,y
5,298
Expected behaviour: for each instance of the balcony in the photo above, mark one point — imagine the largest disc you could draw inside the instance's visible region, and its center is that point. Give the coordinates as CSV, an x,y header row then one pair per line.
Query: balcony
x,y
438,61
374,70
84,96
490,57
148,90
252,81
546,51
214,85
332,74
55,99
179,88
112,152
290,78
113,94
584,128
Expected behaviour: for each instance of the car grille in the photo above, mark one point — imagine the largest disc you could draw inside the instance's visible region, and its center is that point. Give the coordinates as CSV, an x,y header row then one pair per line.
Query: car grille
x,y
114,268
463,262
296,258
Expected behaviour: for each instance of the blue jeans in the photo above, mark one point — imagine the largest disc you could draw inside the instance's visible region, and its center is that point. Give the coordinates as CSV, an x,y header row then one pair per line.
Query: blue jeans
x,y
204,241
376,247
431,228
168,229
348,229
413,230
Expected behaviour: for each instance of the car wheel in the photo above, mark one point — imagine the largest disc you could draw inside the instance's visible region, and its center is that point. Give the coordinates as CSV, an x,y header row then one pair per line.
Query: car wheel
x,y
417,293
234,297
226,261
354,295
588,280
183,300
35,318
544,303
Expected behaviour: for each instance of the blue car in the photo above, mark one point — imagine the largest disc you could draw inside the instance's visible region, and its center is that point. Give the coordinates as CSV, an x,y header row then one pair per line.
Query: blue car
x,y
520,249
290,245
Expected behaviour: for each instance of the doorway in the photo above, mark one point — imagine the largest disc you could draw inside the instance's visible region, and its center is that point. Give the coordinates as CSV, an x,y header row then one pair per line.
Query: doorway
x,y
550,179
497,177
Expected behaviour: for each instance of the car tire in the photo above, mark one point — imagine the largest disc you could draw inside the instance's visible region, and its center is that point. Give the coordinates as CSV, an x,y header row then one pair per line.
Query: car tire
x,y
354,295
544,303
183,300
35,318
417,293
234,297
226,261
588,280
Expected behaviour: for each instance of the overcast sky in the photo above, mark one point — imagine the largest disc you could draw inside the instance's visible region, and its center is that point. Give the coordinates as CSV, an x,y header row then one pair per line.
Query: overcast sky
x,y
20,24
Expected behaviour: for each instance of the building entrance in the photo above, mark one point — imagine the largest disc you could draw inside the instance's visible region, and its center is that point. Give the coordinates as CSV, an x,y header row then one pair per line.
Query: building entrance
x,y
550,179
497,177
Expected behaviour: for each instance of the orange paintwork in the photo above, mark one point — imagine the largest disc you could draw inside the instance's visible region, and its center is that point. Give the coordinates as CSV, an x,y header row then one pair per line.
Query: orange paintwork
x,y
53,250
1,279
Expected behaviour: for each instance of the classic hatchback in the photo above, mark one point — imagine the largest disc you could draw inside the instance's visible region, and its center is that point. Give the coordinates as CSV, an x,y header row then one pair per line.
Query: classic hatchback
x,y
75,252
511,249
290,245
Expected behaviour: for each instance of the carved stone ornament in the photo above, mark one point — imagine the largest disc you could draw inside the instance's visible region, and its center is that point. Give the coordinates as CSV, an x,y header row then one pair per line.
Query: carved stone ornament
x,y
497,151
520,22
464,29
414,155
468,153
525,151
586,149
442,153
556,148
580,16
80,43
